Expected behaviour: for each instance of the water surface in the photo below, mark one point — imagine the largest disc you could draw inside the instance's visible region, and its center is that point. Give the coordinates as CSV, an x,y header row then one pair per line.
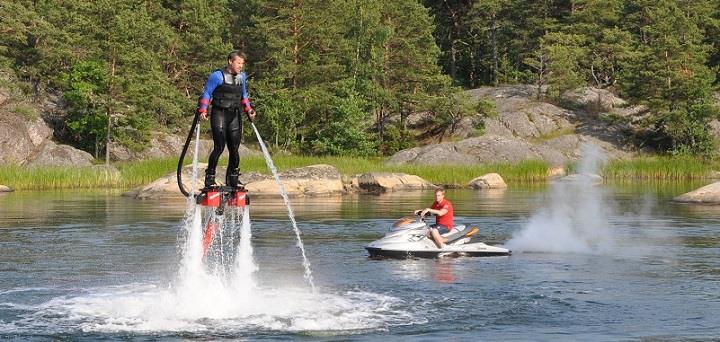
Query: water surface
x,y
95,265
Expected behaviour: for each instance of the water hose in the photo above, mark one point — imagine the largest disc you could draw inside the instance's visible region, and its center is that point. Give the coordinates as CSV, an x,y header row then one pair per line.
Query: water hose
x,y
182,156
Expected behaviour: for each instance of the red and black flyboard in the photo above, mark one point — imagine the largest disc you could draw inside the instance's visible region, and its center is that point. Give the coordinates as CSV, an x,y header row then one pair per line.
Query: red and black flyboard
x,y
215,197
219,197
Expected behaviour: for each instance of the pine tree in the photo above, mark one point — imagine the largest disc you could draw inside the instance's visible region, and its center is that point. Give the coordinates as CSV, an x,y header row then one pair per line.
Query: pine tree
x,y
671,75
562,55
609,47
198,42
532,20
301,60
451,32
487,25
409,71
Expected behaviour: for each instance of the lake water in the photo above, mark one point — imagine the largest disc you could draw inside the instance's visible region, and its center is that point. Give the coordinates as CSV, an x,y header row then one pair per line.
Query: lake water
x,y
608,263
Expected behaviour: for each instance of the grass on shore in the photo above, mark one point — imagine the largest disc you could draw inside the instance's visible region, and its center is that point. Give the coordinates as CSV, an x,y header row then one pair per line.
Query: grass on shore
x,y
133,174
660,168
56,178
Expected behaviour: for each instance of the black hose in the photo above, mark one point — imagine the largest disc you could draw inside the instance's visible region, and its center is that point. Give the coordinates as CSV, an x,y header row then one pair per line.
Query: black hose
x,y
182,156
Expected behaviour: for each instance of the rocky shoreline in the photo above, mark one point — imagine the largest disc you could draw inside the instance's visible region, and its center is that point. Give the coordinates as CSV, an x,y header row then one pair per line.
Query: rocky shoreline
x,y
313,180
326,180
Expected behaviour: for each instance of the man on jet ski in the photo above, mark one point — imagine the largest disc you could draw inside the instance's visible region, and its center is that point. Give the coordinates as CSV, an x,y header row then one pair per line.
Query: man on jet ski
x,y
444,221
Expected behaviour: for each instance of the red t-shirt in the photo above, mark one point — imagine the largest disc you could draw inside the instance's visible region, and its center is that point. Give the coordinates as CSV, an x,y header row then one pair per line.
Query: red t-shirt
x,y
447,220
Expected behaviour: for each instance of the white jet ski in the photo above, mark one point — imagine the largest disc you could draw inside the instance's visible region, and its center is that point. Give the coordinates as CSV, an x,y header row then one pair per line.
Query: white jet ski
x,y
408,238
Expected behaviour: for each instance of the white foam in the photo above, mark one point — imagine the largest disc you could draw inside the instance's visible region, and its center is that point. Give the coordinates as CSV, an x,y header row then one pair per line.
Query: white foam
x,y
147,308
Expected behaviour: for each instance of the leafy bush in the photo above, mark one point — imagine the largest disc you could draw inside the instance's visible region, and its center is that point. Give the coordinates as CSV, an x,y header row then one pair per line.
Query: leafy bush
x,y
396,138
345,133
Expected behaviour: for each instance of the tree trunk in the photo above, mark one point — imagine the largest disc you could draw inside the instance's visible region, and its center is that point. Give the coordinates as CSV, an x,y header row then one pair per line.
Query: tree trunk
x,y
472,77
453,38
381,112
381,123
295,30
668,79
453,60
358,42
108,107
495,49
541,76
107,138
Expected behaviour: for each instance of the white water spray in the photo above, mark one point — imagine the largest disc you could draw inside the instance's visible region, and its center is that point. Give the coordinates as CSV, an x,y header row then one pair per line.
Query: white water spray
x,y
208,303
576,219
191,275
245,265
286,199
190,208
196,153
232,254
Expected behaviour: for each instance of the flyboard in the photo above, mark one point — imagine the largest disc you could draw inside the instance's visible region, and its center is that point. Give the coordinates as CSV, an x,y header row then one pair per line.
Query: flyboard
x,y
214,201
221,201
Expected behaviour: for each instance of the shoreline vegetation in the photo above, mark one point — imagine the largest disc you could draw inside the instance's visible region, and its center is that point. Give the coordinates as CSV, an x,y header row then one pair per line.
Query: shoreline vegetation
x,y
133,174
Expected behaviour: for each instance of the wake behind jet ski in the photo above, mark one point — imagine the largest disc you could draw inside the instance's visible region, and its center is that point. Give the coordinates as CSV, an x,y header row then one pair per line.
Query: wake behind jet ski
x,y
408,237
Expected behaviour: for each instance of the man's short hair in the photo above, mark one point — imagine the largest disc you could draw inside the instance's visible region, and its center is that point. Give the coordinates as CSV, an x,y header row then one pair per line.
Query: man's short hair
x,y
235,54
440,190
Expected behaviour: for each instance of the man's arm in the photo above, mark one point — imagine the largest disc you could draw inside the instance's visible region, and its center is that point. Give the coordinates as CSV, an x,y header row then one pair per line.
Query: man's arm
x,y
436,212
214,80
245,98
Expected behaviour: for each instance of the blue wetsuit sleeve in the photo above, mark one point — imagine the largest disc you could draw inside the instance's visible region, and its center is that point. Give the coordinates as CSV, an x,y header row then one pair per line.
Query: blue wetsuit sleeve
x,y
214,80
245,98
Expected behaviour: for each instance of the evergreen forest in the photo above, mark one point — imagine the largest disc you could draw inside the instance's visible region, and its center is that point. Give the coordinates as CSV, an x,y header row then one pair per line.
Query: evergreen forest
x,y
326,75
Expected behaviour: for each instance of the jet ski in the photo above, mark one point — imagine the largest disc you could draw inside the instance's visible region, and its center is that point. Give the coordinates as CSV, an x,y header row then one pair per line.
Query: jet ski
x,y
408,238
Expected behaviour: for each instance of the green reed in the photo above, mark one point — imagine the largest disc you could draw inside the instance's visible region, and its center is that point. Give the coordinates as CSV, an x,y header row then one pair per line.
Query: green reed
x,y
660,168
138,173
57,177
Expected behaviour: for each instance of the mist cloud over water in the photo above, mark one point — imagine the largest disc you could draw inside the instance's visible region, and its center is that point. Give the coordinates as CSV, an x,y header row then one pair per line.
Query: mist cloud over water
x,y
575,216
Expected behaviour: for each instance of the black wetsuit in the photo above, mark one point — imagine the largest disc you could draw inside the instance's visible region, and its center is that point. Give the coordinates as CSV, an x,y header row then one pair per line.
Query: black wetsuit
x,y
229,99
226,125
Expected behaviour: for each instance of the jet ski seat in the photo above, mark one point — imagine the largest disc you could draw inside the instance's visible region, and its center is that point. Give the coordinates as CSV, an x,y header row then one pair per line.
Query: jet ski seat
x,y
456,233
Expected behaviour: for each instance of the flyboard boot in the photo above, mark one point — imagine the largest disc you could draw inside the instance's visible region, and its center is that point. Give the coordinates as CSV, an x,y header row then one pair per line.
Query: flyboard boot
x,y
236,190
232,180
209,178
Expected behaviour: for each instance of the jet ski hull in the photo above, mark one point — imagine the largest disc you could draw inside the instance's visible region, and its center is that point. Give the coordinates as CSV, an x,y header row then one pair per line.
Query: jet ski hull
x,y
402,254
410,240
